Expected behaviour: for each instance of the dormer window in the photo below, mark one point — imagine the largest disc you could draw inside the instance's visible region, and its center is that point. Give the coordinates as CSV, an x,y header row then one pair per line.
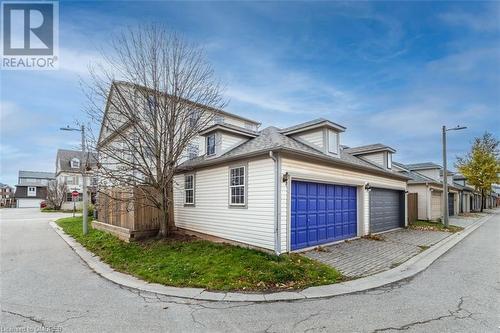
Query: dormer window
x,y
211,144
75,163
333,142
389,161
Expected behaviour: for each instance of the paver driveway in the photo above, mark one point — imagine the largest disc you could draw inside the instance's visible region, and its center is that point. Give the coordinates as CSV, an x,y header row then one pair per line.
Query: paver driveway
x,y
365,256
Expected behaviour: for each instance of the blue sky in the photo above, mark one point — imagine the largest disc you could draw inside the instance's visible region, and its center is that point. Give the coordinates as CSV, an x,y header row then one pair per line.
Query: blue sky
x,y
390,72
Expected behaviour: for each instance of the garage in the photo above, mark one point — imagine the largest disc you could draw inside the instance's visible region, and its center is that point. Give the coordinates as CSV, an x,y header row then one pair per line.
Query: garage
x,y
29,203
321,213
436,205
451,204
386,209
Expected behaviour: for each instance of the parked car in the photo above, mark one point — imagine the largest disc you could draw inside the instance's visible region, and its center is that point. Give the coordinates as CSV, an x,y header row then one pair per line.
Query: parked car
x,y
43,204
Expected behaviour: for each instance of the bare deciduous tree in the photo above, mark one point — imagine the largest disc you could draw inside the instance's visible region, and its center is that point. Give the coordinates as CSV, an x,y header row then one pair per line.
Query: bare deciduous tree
x,y
163,92
56,194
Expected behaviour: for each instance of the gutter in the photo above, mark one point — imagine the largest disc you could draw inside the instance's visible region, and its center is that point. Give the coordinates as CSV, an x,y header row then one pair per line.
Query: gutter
x,y
277,201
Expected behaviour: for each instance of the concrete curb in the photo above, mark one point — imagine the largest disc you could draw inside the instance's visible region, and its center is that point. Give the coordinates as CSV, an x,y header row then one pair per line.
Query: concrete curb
x,y
406,270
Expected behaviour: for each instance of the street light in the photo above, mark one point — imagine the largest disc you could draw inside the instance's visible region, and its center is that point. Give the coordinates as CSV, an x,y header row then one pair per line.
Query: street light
x,y
445,174
82,166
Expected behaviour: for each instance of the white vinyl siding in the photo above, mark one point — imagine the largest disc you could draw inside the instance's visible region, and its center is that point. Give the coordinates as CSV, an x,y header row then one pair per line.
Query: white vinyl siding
x,y
431,173
212,214
300,169
423,200
333,142
230,141
377,158
314,138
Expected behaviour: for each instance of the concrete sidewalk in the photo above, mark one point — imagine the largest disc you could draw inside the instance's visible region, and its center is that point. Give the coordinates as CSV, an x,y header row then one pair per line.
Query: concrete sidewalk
x,y
407,269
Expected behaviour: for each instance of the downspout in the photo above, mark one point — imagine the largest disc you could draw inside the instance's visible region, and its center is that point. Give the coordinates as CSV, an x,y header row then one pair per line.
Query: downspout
x,y
277,201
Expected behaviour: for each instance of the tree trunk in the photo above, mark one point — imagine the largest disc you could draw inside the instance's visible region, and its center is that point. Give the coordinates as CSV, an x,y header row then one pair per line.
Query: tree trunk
x,y
163,232
482,200
171,221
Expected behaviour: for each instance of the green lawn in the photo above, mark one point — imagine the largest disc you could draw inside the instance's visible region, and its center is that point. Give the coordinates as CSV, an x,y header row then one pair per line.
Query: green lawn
x,y
199,263
433,226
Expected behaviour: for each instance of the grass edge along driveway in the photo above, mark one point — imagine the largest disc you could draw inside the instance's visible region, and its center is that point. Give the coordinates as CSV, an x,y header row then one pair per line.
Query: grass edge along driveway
x,y
202,264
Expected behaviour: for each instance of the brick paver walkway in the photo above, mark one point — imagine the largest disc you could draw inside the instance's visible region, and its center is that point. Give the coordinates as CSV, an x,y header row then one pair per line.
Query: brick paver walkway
x,y
465,221
362,257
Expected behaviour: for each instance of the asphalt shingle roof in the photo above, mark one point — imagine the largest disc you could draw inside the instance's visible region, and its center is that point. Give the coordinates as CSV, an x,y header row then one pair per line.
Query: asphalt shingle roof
x,y
311,123
271,138
36,174
368,148
231,127
65,156
423,166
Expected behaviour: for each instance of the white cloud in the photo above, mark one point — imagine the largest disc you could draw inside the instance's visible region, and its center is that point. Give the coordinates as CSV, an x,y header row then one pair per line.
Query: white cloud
x,y
486,21
76,61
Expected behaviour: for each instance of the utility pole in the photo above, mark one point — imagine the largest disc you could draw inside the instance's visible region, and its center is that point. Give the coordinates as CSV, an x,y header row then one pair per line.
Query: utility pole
x,y
445,182
445,174
83,166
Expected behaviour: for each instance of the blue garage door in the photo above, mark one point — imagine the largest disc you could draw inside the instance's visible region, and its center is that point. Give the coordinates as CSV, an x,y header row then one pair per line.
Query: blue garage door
x,y
322,213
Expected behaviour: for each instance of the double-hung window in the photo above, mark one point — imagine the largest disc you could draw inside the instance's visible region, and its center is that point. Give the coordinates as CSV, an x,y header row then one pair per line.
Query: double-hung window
x,y
189,189
211,144
237,186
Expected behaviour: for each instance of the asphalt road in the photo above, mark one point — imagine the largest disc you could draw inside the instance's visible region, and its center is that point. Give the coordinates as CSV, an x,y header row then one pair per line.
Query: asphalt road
x,y
44,284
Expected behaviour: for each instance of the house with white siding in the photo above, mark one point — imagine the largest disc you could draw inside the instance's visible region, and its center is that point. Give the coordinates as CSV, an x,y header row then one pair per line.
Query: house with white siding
x,y
137,221
288,189
69,166
426,180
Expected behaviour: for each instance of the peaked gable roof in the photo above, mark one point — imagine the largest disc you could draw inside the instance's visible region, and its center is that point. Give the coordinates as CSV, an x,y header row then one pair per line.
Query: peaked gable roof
x,y
272,139
369,149
36,174
115,84
64,157
312,124
423,166
231,129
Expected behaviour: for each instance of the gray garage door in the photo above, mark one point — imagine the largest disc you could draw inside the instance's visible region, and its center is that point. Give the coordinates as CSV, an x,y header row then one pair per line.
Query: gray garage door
x,y
386,209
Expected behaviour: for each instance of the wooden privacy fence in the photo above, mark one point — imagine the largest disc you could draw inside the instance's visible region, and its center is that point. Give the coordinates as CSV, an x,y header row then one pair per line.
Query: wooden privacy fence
x,y
412,207
127,208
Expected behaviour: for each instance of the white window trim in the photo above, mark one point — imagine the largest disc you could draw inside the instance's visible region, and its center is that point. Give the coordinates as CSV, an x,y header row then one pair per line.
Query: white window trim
x,y
389,161
336,152
192,189
215,144
75,163
31,193
245,187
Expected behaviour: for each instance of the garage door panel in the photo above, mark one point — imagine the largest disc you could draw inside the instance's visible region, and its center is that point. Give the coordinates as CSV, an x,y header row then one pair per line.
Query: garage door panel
x,y
385,209
330,213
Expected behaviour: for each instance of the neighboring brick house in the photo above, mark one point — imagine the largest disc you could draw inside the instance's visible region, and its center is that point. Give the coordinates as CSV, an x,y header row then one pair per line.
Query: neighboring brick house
x,y
31,189
69,171
6,195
